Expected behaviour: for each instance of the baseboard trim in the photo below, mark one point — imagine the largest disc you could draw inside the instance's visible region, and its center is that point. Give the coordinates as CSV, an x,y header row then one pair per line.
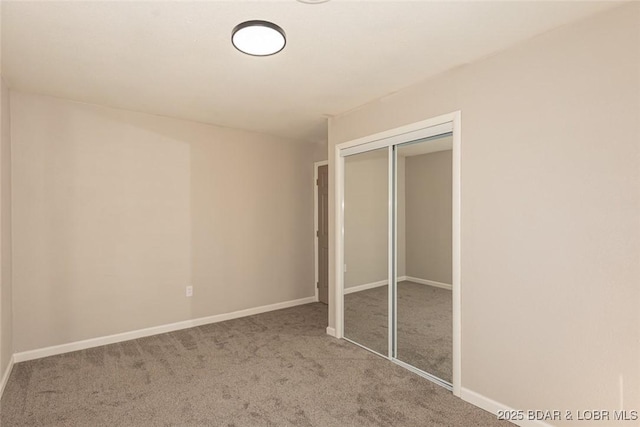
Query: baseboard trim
x,y
372,285
331,331
6,375
429,282
364,287
141,333
493,407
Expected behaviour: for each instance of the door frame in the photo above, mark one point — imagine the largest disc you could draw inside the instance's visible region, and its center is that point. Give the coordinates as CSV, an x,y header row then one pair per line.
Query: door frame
x,y
429,127
316,165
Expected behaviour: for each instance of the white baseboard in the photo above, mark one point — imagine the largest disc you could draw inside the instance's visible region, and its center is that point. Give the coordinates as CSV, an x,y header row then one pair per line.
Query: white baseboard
x,y
372,285
6,375
493,407
331,331
364,287
429,282
141,333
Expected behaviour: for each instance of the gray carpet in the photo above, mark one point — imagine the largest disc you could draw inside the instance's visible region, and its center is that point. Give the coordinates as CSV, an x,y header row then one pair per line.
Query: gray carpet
x,y
424,325
272,369
366,320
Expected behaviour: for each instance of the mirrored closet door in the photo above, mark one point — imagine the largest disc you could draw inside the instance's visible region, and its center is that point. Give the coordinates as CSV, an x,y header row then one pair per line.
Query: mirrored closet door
x,y
397,252
423,248
366,240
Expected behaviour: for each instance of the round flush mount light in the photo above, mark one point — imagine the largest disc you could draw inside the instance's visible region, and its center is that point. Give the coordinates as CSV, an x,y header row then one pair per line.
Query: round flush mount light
x,y
258,38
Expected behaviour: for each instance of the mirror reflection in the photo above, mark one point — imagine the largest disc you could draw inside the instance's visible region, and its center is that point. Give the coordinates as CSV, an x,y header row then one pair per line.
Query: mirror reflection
x,y
424,256
366,202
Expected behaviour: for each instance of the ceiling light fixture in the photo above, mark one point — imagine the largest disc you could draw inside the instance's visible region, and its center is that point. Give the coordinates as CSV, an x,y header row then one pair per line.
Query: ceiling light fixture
x,y
258,38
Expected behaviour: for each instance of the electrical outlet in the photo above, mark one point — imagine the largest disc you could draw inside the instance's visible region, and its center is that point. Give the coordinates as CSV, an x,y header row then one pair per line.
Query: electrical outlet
x,y
189,291
345,268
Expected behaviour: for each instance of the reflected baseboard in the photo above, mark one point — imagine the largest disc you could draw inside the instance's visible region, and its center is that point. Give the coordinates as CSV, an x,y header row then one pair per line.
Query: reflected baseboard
x,y
372,285
427,282
364,287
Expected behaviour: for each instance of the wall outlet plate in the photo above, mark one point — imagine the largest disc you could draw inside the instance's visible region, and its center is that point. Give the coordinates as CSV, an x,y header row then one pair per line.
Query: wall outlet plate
x,y
189,291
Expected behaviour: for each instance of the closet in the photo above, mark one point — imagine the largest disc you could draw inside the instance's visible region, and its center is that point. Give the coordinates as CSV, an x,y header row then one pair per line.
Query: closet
x,y
398,248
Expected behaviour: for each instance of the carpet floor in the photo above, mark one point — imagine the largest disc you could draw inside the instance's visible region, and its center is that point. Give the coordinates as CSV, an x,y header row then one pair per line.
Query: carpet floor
x,y
272,369
424,325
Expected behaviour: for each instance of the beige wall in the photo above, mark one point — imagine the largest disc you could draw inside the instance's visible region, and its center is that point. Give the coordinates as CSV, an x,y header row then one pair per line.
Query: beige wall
x,y
428,216
550,208
366,224
6,316
116,212
320,151
366,218
401,226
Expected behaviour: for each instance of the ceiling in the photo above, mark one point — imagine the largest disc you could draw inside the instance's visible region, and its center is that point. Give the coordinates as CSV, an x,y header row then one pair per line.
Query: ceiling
x,y
175,58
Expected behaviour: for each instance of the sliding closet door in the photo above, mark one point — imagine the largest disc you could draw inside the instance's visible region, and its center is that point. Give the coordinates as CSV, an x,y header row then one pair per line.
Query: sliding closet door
x,y
424,256
398,246
366,254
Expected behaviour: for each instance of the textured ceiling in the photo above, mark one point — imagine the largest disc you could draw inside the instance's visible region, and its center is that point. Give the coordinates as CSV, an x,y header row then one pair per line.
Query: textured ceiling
x,y
176,59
